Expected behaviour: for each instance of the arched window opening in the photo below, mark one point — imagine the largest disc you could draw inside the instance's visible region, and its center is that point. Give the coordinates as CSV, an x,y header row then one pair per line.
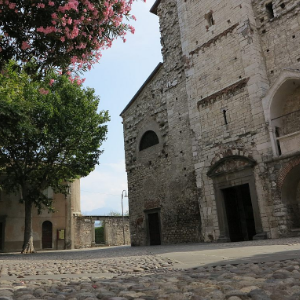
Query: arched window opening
x,y
47,235
284,115
148,140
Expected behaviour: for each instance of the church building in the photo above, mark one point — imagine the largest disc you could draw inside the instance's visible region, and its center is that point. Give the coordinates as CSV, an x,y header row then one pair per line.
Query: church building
x,y
212,138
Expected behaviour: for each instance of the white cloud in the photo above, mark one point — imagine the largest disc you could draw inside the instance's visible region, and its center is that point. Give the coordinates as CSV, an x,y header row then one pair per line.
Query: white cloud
x,y
121,72
103,188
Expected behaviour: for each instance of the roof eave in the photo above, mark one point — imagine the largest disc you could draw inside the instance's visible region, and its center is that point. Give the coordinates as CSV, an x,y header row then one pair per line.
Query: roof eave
x,y
142,87
155,6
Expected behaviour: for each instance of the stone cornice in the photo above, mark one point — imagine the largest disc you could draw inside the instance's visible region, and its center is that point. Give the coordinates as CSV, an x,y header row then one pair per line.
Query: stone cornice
x,y
214,39
224,92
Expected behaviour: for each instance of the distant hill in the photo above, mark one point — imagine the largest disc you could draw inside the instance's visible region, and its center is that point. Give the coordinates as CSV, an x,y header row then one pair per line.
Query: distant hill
x,y
104,211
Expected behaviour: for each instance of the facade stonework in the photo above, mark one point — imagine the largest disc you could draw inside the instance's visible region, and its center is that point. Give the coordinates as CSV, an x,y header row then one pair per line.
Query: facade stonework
x,y
225,107
113,231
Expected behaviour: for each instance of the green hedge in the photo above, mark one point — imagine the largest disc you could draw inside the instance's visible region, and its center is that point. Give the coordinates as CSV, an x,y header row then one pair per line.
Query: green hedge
x,y
99,235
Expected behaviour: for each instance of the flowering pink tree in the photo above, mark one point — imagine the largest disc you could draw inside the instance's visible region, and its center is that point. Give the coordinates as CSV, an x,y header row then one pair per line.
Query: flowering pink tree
x,y
64,34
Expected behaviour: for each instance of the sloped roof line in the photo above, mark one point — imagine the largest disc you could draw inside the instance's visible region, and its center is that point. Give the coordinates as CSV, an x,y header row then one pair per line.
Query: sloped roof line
x,y
142,87
155,6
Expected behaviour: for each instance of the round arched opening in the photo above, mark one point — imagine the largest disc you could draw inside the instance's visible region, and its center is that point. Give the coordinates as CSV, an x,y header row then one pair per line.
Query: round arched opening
x,y
285,115
290,195
148,140
47,235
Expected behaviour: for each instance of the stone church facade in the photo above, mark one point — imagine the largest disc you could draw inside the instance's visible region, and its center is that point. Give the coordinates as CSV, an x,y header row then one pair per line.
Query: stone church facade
x,y
212,138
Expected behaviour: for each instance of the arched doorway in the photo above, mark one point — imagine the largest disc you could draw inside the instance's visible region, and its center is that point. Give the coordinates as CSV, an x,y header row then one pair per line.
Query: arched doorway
x,y
236,199
47,235
290,195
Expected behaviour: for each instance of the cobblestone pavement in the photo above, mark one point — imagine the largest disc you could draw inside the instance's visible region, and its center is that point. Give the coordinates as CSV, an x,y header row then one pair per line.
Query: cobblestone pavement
x,y
146,273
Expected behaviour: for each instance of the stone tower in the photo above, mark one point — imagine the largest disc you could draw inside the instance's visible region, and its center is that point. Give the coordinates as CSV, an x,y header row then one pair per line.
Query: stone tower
x,y
230,91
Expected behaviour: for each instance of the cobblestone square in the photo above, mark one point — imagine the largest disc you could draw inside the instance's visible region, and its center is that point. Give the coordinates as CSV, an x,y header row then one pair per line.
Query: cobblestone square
x,y
257,270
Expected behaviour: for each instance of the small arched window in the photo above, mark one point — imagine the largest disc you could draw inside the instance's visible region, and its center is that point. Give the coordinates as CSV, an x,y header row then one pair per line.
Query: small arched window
x,y
148,140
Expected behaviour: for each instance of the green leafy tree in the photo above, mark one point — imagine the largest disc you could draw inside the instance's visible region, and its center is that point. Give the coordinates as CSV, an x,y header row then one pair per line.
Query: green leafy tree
x,y
117,214
50,133
114,214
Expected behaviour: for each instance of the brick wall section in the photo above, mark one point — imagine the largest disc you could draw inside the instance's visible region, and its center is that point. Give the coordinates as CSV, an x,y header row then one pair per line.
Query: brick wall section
x,y
285,169
278,171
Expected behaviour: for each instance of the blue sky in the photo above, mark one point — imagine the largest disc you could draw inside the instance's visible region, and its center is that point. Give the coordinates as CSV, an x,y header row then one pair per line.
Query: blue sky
x,y
120,73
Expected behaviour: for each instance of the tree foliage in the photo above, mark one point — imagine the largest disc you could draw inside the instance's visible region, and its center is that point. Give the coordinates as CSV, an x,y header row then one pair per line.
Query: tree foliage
x,y
50,133
60,33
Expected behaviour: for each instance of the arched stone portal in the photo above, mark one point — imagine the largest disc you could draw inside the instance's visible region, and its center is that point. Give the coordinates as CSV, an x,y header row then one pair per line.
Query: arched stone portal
x,y
282,112
47,235
236,199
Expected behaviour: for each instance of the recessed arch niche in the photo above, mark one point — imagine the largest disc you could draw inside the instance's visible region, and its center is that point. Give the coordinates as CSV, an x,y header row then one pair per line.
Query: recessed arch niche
x,y
148,140
282,112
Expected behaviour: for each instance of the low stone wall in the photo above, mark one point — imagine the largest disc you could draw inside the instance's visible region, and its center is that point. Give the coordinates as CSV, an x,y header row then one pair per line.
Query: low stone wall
x,y
113,231
84,228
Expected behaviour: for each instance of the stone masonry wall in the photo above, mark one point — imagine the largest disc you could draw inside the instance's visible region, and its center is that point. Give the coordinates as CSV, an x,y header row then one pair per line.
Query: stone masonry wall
x,y
278,171
113,231
162,177
291,114
279,35
209,103
226,77
84,227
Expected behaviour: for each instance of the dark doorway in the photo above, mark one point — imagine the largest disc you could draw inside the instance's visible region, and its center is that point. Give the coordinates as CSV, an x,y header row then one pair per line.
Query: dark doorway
x,y
1,236
154,229
47,235
239,212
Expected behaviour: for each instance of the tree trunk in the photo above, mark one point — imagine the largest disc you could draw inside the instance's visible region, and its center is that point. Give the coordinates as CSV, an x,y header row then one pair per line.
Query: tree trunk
x,y
28,233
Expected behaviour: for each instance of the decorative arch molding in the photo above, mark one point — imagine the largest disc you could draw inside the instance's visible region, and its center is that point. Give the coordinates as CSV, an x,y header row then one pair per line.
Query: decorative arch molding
x,y
284,86
288,75
230,164
283,173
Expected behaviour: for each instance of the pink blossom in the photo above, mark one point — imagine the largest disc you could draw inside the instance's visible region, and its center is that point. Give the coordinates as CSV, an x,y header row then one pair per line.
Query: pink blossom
x,y
132,29
47,30
83,31
12,5
43,91
25,45
51,82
